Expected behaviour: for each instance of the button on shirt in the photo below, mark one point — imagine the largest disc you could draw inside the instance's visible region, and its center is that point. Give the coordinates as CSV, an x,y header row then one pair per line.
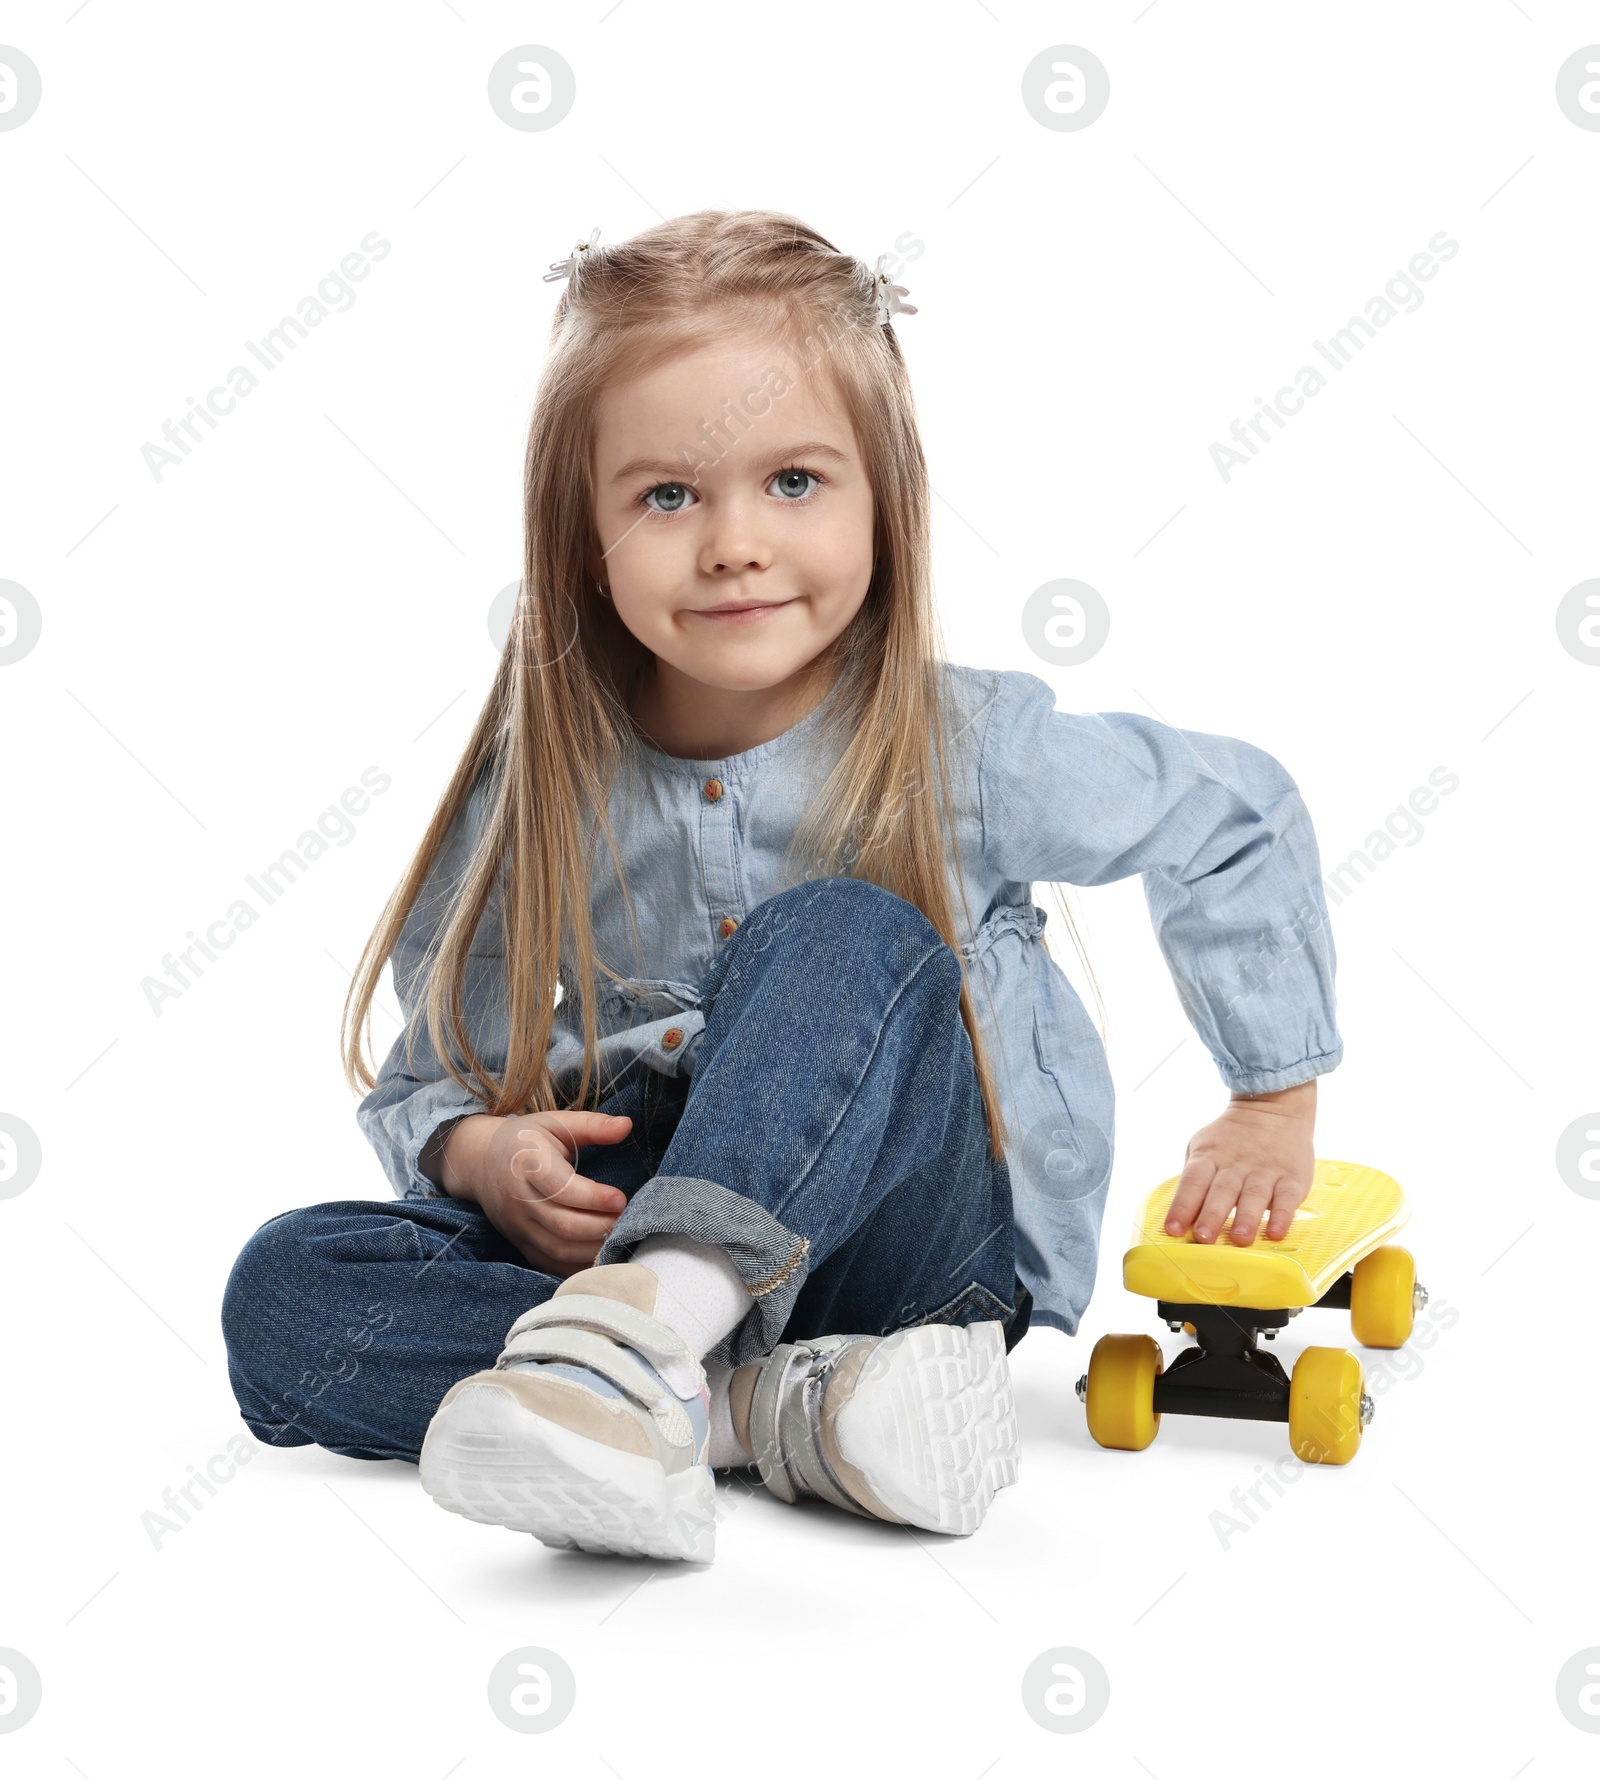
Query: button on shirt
x,y
1215,827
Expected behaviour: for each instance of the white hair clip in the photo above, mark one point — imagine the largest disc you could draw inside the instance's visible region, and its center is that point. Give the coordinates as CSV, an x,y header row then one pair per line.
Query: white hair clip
x,y
565,268
889,294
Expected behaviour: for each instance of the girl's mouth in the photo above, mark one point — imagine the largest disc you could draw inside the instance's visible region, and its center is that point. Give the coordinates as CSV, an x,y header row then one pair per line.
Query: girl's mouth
x,y
747,613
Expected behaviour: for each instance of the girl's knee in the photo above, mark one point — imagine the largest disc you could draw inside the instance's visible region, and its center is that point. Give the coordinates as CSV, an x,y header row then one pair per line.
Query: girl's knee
x,y
852,899
272,1278
846,910
256,1280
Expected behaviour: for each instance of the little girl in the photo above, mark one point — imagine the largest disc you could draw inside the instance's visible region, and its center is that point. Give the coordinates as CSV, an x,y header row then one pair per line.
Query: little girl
x,y
742,1116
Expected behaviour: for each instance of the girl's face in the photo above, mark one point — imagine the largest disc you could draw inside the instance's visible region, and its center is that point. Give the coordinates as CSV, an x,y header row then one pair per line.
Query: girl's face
x,y
736,549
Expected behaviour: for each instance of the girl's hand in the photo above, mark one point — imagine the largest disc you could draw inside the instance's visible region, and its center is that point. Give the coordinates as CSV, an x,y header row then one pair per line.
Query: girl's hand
x,y
519,1172
1258,1154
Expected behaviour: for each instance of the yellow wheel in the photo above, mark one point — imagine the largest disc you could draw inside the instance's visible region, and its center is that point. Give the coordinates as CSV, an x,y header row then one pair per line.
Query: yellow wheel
x,y
1120,1393
1383,1298
1327,1407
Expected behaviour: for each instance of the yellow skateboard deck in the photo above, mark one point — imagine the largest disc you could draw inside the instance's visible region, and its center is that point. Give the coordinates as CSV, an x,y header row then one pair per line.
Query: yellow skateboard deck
x,y
1349,1211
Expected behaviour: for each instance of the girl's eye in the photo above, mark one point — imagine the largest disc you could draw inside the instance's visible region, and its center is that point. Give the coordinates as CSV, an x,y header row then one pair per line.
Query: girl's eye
x,y
790,484
676,497
794,487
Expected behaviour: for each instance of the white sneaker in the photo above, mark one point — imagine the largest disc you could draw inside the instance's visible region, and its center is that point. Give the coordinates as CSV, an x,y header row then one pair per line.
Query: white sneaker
x,y
591,1429
918,1427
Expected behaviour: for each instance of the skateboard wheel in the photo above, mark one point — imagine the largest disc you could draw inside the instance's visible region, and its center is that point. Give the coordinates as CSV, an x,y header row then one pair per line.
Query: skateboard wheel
x,y
1121,1391
1383,1298
1325,1406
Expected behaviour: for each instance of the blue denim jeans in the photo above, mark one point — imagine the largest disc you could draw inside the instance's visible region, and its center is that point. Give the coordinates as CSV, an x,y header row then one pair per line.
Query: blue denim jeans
x,y
830,1139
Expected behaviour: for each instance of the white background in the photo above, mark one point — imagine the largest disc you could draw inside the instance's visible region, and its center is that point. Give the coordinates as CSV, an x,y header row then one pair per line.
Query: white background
x,y
224,651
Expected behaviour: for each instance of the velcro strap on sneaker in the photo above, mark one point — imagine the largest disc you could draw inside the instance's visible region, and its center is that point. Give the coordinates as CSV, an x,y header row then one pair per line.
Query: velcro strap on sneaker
x,y
785,1423
765,1403
583,1347
660,1344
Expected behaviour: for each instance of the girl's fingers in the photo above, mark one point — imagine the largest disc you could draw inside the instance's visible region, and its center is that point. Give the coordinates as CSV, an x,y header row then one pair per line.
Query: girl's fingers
x,y
1286,1199
1207,1193
571,1226
569,1257
1221,1197
573,1238
1254,1198
569,1131
559,1258
554,1179
1192,1185
578,1193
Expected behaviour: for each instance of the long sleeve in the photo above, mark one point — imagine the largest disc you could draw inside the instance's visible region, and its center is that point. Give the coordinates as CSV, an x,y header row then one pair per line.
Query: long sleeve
x,y
409,1102
1223,841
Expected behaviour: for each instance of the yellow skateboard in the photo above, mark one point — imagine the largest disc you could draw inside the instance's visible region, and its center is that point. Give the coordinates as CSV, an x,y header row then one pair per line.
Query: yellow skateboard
x,y
1335,1257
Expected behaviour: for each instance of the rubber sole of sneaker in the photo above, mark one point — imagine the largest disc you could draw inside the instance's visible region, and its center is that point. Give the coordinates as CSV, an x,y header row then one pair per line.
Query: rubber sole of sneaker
x,y
932,1424
490,1458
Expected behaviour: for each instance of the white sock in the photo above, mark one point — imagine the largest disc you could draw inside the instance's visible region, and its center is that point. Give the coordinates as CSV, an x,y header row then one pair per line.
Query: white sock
x,y
701,1296
724,1448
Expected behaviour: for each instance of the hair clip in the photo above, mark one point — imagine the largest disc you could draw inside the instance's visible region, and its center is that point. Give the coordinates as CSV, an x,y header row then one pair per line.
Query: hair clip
x,y
889,294
565,268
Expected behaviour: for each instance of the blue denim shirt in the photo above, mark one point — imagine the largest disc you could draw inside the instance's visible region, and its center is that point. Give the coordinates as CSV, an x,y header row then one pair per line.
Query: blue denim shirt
x,y
1216,828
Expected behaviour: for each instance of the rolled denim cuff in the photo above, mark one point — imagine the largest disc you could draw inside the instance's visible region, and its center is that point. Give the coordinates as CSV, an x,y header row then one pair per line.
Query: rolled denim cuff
x,y
771,1259
1273,1081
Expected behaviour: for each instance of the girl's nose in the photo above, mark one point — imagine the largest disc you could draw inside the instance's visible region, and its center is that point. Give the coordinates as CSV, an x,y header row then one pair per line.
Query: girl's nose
x,y
733,544
736,559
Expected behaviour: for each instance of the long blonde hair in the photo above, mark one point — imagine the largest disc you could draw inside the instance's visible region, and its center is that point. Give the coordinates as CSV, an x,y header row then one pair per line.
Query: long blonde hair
x,y
555,725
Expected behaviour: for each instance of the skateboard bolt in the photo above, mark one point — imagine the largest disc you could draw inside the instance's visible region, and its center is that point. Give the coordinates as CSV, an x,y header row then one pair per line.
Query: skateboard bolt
x,y
1082,1388
1419,1297
1173,1326
1366,1409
